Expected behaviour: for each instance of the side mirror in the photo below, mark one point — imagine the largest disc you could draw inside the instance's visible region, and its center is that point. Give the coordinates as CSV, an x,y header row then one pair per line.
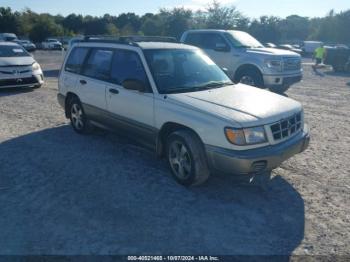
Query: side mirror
x,y
219,47
134,84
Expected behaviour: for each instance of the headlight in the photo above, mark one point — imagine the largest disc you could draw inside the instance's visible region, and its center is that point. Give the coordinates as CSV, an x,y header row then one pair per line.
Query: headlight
x,y
246,136
35,66
274,64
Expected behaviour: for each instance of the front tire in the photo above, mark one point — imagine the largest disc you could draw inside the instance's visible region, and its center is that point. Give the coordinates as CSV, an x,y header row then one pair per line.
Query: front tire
x,y
186,158
77,116
251,77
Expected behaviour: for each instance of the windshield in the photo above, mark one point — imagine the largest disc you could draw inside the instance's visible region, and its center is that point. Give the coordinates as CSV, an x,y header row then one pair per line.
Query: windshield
x,y
181,70
241,39
12,51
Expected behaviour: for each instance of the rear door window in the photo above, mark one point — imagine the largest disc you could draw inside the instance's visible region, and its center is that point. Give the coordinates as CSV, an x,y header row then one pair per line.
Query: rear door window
x,y
76,59
98,65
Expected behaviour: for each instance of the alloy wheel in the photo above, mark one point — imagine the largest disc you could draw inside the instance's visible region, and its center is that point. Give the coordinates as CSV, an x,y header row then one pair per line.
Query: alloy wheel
x,y
77,116
180,160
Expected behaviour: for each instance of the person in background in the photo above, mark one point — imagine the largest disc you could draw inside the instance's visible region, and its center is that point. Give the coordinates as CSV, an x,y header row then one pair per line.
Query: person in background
x,y
319,55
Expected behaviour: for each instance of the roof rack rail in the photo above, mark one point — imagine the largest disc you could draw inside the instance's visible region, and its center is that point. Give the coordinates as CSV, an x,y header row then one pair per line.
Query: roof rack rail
x,y
140,38
127,40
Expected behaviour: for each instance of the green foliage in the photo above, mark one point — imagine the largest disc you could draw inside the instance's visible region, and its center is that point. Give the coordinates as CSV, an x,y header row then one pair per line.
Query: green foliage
x,y
45,26
152,26
175,22
266,29
333,28
8,21
221,17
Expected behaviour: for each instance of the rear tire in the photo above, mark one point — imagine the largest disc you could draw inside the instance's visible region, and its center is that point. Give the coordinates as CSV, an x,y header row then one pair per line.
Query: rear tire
x,y
77,116
186,158
338,68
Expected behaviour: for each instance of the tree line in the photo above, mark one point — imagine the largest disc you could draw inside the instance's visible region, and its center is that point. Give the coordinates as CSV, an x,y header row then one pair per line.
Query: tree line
x,y
333,28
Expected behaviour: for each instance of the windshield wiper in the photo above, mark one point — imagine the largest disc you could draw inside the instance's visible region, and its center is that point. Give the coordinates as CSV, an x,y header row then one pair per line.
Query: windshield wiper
x,y
214,84
177,90
209,85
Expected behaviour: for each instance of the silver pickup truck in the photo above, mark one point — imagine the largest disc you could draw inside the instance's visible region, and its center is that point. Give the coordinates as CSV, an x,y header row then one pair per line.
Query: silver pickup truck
x,y
247,60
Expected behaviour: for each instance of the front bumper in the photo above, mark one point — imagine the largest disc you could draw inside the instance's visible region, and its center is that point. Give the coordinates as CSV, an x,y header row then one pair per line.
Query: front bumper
x,y
22,81
256,160
281,80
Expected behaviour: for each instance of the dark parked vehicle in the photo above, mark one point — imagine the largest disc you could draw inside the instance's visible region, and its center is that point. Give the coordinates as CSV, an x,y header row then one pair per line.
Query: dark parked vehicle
x,y
290,48
27,45
338,57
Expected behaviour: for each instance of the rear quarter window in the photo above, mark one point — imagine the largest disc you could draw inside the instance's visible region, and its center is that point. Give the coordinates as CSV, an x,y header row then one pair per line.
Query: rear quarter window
x,y
76,59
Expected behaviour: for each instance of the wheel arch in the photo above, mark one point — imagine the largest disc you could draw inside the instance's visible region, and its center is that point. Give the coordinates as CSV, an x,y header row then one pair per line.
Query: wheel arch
x,y
245,67
69,97
166,130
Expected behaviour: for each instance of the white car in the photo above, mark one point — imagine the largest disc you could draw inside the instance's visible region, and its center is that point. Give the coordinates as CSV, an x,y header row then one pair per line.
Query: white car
x,y
309,47
247,60
18,68
176,100
51,44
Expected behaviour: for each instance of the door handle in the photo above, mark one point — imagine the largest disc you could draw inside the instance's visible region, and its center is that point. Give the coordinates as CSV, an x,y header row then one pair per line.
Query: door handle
x,y
114,91
83,82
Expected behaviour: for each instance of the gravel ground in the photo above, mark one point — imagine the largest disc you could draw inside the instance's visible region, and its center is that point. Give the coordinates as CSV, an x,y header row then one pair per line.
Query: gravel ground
x,y
65,194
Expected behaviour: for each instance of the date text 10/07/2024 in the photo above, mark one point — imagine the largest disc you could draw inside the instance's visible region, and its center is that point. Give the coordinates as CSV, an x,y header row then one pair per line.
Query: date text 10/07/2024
x,y
173,258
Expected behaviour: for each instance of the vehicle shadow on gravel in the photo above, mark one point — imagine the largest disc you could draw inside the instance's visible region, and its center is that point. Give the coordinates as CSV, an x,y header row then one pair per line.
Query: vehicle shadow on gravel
x,y
62,193
14,91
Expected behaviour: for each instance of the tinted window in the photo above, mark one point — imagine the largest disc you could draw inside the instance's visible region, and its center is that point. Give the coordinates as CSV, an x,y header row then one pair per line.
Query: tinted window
x,y
127,65
211,41
193,39
99,64
242,39
206,40
12,51
76,59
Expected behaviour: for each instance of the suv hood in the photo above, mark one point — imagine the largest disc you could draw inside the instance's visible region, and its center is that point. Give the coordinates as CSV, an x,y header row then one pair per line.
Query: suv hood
x,y
271,51
248,106
16,61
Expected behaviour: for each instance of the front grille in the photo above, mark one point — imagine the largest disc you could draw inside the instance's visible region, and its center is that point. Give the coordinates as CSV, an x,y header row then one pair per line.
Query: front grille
x,y
291,64
14,72
286,127
19,81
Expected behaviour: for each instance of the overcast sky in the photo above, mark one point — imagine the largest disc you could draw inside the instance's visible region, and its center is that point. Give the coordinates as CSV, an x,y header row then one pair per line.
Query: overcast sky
x,y
251,8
